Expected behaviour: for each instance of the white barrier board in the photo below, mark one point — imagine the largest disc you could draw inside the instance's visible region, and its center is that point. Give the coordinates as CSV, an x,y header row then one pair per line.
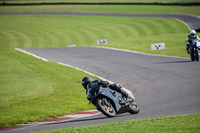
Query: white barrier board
x,y
102,41
73,45
157,46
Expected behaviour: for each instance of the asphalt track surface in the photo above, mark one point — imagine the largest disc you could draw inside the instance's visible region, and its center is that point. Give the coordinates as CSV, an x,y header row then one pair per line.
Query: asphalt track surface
x,y
163,86
192,21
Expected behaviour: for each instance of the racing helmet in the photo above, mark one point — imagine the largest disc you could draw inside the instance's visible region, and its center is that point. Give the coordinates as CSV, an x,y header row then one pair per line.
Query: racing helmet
x,y
85,81
192,32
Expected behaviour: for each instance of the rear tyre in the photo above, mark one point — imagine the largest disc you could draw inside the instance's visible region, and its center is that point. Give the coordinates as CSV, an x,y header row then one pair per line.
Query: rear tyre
x,y
104,105
134,107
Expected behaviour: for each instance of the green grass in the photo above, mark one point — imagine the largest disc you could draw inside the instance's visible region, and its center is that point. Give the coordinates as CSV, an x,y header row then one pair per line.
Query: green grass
x,y
193,10
174,124
34,90
33,31
94,1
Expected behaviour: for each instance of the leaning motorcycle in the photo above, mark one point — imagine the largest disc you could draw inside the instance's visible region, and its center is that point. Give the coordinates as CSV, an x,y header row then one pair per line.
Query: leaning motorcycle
x,y
111,103
195,50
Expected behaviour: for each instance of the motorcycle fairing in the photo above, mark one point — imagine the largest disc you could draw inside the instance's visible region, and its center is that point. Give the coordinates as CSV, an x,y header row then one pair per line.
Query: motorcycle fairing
x,y
120,104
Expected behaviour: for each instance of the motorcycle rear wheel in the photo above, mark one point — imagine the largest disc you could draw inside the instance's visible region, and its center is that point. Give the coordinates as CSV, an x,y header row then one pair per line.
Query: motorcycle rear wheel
x,y
104,105
134,107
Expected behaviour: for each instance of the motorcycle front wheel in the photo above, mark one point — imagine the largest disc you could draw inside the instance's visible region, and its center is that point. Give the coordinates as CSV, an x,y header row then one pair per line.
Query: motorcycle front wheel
x,y
134,107
197,54
104,105
192,54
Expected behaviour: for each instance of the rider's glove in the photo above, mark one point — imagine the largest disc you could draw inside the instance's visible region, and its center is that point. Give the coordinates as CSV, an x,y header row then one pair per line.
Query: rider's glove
x,y
105,83
102,83
89,98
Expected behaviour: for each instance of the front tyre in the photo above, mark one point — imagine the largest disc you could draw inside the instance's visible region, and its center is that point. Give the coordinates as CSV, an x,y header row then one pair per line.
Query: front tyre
x,y
197,54
134,107
192,54
104,105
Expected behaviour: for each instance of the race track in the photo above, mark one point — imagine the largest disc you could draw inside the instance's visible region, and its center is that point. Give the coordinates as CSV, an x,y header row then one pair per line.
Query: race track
x,y
163,86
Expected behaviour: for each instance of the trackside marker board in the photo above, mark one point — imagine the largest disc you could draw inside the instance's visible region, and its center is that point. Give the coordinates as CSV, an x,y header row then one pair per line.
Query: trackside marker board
x,y
73,45
157,46
102,41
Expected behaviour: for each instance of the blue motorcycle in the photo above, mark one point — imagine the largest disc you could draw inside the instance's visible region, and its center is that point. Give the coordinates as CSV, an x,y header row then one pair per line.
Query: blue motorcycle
x,y
195,50
111,103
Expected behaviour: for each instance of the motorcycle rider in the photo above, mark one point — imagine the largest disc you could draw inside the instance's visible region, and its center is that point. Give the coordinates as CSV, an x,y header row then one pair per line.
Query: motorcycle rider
x,y
88,83
191,37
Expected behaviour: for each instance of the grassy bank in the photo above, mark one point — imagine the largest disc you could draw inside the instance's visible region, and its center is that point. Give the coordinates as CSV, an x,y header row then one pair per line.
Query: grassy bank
x,y
174,124
193,10
33,31
99,1
34,90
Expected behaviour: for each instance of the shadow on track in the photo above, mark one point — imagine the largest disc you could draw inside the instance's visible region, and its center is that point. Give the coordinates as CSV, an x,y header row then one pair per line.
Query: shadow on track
x,y
173,62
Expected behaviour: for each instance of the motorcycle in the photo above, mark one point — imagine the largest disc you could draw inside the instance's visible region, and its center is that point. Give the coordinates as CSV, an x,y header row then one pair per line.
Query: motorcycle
x,y
110,102
195,50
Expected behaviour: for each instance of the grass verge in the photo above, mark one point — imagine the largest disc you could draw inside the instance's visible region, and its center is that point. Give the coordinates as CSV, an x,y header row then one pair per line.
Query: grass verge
x,y
173,124
34,90
102,1
192,10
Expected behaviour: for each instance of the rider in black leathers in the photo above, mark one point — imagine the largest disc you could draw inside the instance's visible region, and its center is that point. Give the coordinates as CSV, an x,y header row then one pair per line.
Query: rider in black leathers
x,y
88,83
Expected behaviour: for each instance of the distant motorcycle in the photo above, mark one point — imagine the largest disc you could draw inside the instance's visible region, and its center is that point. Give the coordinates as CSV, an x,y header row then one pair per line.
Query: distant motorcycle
x,y
111,103
195,50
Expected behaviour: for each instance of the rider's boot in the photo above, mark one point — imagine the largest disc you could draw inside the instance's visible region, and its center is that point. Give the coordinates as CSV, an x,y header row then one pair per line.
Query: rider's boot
x,y
119,89
188,51
124,93
188,48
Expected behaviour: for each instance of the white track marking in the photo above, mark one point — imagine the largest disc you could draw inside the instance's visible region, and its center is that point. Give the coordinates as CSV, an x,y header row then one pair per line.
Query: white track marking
x,y
85,71
31,54
129,51
41,58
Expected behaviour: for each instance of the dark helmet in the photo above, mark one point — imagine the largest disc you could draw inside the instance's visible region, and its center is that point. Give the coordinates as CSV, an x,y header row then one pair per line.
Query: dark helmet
x,y
85,81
